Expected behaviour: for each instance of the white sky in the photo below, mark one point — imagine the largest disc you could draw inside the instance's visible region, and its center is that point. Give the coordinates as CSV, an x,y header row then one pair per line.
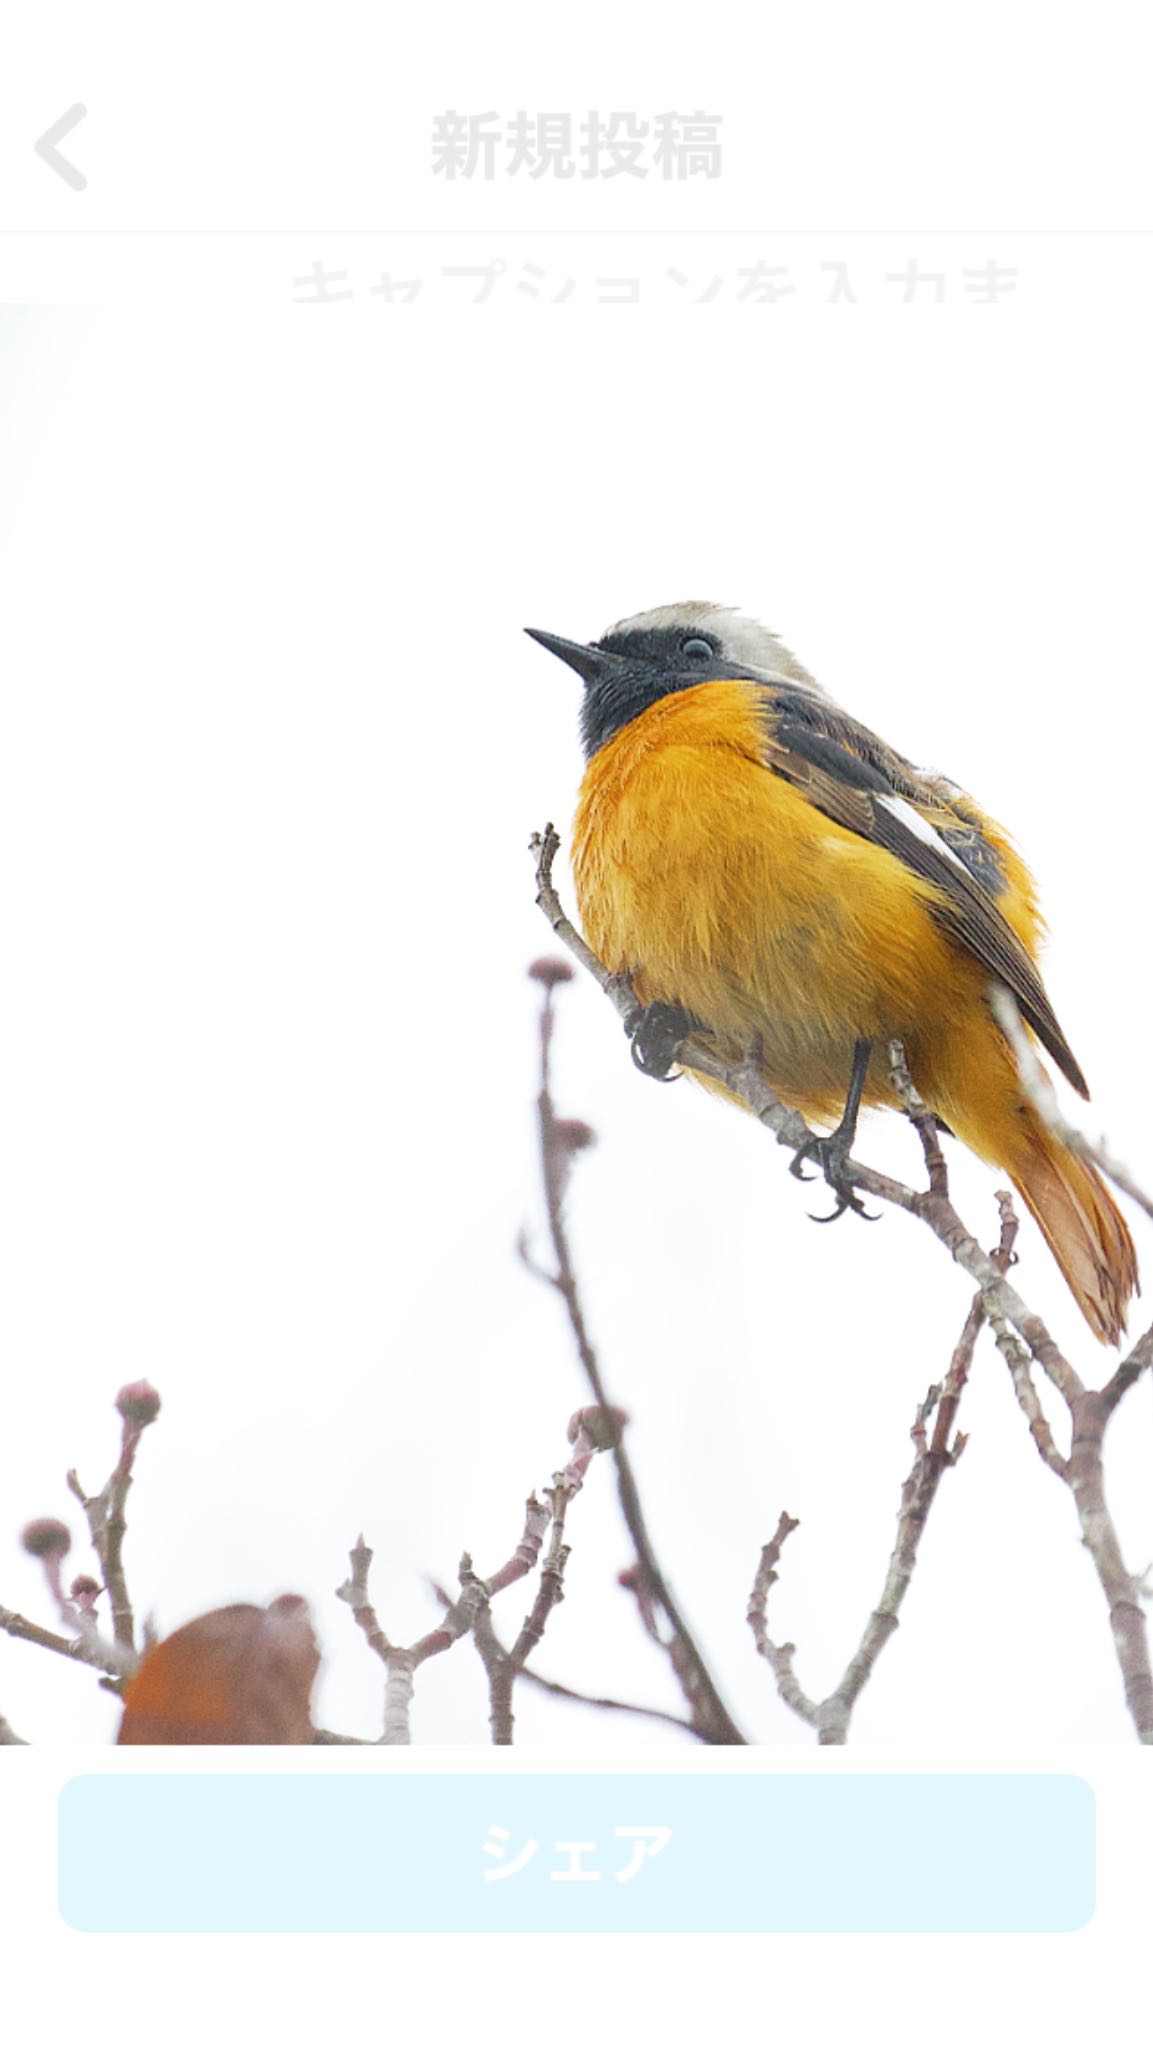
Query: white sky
x,y
273,744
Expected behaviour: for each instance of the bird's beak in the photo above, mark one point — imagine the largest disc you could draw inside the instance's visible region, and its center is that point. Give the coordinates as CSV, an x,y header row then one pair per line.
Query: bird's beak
x,y
589,662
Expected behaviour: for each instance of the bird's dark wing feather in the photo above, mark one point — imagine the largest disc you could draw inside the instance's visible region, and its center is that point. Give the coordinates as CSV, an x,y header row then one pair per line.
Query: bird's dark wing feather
x,y
859,782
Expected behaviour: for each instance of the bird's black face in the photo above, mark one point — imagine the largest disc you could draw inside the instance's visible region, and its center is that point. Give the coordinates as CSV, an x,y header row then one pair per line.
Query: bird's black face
x,y
625,673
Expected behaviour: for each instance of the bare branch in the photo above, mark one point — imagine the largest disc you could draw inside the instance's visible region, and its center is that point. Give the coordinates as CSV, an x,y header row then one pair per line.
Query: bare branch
x,y
402,1663
1020,1367
922,1119
501,1677
604,1702
1128,1372
590,1430
49,1542
354,1592
1122,1589
398,1698
569,1692
138,1405
544,847
707,1710
933,1456
81,1649
537,1516
779,1656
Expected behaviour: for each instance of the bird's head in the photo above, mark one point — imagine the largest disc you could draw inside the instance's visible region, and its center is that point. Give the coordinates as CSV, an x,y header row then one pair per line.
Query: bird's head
x,y
657,653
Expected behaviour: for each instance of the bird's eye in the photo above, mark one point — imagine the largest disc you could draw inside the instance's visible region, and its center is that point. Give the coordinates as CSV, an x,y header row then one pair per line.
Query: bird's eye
x,y
697,649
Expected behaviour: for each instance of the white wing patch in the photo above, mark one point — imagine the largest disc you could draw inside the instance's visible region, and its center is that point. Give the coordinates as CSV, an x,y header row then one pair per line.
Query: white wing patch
x,y
898,807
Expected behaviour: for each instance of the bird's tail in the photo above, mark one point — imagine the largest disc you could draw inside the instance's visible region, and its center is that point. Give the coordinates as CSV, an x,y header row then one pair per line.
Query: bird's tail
x,y
1082,1225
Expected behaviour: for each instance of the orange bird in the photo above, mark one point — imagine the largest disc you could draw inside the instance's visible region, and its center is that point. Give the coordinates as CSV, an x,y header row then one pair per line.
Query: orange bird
x,y
768,872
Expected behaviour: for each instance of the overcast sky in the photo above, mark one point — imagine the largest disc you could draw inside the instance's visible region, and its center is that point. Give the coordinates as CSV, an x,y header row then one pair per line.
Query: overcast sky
x,y
273,745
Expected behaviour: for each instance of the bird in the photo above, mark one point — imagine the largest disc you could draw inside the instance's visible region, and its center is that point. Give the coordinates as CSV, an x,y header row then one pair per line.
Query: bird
x,y
772,876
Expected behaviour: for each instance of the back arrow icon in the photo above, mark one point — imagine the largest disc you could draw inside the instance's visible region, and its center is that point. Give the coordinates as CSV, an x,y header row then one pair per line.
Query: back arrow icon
x,y
46,147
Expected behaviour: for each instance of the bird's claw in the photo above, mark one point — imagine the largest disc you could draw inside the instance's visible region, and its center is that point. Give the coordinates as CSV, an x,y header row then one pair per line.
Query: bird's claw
x,y
657,1033
831,1155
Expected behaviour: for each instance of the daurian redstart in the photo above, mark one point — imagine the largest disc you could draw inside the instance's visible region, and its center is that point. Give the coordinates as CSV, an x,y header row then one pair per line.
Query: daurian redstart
x,y
769,872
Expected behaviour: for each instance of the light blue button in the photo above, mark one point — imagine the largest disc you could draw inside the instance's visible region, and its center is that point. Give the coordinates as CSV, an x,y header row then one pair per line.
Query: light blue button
x,y
758,1853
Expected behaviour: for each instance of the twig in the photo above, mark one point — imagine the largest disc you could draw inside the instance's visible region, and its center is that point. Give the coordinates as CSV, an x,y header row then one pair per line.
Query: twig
x,y
932,1457
588,1433
402,1663
49,1541
778,1655
1001,1302
544,847
1123,1590
494,1658
708,1713
604,1702
354,1592
81,1649
569,1692
138,1406
1128,1372
503,1667
1019,1363
565,1486
398,1697
939,1453
1083,1472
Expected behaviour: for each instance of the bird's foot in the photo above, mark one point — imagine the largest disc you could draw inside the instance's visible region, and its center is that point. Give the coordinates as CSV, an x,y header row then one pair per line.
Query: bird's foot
x,y
831,1155
657,1033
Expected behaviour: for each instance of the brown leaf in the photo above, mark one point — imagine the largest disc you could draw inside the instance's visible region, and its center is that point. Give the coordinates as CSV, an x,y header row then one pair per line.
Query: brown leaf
x,y
239,1674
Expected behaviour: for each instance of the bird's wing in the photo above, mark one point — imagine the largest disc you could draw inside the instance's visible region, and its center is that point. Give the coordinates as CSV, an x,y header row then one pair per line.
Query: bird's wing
x,y
863,785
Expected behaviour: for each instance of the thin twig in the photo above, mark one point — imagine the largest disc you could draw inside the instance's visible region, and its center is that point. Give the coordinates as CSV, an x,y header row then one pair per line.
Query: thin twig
x,y
1020,1366
398,1698
708,1713
81,1649
1124,1590
604,1702
354,1592
401,1662
779,1656
501,1678
589,1431
138,1406
570,1692
933,1456
469,1612
1128,1372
